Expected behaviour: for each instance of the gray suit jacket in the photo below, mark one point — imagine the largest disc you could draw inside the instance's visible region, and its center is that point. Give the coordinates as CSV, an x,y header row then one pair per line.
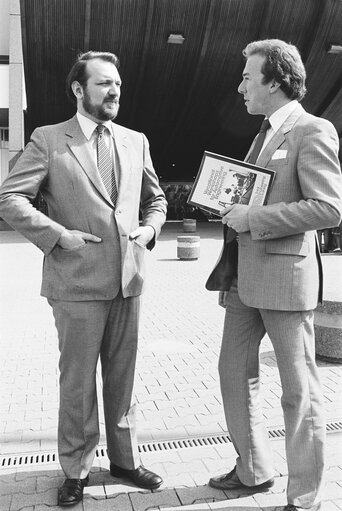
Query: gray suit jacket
x,y
279,264
56,162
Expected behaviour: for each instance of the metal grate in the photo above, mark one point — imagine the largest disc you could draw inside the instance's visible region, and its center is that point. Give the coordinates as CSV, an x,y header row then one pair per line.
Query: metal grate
x,y
21,460
16,460
168,445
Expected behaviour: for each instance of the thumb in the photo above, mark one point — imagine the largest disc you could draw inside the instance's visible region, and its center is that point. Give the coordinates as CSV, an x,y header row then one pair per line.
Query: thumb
x,y
226,210
91,237
134,234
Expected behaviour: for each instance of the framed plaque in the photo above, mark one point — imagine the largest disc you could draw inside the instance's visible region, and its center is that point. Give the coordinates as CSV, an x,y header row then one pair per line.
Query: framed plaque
x,y
222,181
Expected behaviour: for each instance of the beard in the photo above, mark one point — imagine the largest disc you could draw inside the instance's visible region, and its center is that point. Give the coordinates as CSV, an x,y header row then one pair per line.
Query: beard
x,y
100,112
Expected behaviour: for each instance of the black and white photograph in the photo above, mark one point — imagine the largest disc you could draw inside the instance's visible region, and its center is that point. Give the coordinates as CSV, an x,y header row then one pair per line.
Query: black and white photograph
x,y
170,255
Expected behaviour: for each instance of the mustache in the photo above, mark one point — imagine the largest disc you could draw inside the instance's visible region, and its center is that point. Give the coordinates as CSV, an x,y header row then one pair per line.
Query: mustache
x,y
111,99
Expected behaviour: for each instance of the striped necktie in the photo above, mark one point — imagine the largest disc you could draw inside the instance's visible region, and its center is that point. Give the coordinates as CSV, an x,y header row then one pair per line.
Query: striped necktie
x,y
105,164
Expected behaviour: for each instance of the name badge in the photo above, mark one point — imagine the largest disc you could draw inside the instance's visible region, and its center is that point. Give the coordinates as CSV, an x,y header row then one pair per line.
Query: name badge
x,y
279,154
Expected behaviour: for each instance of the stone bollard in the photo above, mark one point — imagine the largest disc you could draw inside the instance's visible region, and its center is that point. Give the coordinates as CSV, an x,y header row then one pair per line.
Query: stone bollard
x,y
189,225
328,315
188,247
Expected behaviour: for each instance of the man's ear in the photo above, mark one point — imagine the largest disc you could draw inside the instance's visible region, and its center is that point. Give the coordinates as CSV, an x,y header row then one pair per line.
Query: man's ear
x,y
274,86
77,89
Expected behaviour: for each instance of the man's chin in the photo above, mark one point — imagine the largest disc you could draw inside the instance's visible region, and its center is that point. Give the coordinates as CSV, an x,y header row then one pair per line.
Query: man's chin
x,y
111,114
107,116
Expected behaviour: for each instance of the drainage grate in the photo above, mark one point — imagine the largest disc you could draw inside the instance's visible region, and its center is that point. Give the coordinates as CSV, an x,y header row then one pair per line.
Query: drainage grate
x,y
168,445
17,461
334,427
23,460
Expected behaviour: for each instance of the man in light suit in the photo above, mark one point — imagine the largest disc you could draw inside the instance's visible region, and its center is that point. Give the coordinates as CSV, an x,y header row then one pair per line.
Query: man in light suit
x,y
278,279
93,266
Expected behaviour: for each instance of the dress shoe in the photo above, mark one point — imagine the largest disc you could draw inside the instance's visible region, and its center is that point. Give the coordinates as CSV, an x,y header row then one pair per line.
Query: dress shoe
x,y
71,491
290,507
140,476
232,482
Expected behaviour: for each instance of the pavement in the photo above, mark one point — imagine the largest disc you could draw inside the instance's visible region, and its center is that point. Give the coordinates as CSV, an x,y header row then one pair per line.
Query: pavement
x,y
182,431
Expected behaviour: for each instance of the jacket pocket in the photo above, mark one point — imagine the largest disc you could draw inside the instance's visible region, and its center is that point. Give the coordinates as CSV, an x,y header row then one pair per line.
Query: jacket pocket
x,y
288,247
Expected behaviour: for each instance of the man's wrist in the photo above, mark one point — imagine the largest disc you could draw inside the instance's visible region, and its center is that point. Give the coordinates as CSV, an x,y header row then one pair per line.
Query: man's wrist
x,y
153,232
60,239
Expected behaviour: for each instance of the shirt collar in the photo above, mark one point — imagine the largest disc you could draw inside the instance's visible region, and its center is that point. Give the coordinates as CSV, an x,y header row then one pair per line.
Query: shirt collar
x,y
88,126
278,118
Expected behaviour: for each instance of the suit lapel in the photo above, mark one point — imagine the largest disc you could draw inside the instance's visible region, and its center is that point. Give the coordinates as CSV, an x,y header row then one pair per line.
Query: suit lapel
x,y
271,147
79,147
279,137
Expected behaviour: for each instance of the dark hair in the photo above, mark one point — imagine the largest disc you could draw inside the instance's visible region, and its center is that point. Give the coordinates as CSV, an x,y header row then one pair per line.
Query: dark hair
x,y
283,64
78,72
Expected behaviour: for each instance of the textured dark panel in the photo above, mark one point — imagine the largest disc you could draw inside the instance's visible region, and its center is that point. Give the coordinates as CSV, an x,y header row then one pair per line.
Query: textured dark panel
x,y
325,70
54,33
184,97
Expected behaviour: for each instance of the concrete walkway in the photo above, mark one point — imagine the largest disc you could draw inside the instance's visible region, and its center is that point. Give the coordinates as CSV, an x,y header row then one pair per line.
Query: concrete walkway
x,y
181,424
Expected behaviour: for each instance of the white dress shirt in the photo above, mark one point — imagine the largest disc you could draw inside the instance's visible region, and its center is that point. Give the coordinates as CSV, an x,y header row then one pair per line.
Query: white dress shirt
x,y
277,119
88,128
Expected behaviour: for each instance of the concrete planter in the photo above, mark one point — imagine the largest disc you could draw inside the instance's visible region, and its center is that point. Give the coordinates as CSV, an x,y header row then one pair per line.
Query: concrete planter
x,y
189,225
188,247
328,315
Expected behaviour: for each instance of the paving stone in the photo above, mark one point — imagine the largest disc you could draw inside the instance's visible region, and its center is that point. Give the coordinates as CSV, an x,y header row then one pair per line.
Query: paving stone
x,y
334,473
333,490
200,453
218,466
158,396
5,502
167,412
190,467
329,505
178,481
194,507
179,422
199,494
269,499
187,394
51,471
95,492
42,507
11,486
21,500
243,503
117,503
176,403
144,501
113,490
164,434
45,483
162,456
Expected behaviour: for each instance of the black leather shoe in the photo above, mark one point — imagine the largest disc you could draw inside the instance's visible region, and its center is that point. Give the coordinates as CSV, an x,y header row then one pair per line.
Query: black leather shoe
x,y
290,507
71,491
232,482
140,476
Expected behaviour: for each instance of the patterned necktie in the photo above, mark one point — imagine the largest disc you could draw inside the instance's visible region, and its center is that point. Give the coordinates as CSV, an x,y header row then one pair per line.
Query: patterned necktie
x,y
230,233
259,141
105,164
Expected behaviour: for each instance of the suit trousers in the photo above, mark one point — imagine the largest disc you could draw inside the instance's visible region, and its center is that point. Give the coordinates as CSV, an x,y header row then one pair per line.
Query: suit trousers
x,y
86,331
292,336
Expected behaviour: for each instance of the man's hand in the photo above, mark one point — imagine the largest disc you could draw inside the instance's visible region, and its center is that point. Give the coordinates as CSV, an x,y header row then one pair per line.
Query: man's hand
x,y
142,235
71,240
236,216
